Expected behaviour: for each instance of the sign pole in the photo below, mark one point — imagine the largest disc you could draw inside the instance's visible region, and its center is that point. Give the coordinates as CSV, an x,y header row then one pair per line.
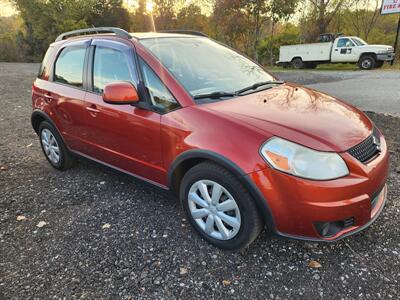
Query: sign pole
x,y
396,41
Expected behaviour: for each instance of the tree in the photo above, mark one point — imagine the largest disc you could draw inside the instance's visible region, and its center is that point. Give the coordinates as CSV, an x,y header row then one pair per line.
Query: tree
x,y
322,14
45,19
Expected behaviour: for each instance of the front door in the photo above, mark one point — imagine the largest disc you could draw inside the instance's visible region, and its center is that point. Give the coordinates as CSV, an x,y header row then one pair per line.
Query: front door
x,y
343,51
123,136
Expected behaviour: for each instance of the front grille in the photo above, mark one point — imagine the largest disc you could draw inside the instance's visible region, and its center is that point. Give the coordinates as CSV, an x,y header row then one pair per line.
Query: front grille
x,y
368,148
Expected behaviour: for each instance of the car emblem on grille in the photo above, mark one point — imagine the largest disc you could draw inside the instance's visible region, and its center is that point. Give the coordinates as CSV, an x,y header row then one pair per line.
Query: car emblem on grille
x,y
376,143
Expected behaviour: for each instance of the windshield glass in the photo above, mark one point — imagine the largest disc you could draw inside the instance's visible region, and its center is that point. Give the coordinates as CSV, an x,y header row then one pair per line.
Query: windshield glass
x,y
359,42
203,66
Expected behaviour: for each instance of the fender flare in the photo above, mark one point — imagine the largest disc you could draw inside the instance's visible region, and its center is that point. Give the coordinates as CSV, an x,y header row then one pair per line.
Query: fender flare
x,y
243,177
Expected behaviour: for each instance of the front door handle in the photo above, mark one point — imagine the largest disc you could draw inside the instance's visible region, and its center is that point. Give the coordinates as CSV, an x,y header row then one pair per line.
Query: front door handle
x,y
93,110
48,97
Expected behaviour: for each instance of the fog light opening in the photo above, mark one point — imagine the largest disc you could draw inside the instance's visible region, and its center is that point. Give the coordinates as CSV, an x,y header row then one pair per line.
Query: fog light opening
x,y
329,229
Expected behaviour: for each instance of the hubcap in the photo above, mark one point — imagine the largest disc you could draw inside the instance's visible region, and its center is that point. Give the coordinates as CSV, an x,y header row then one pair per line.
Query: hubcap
x,y
50,146
214,209
366,64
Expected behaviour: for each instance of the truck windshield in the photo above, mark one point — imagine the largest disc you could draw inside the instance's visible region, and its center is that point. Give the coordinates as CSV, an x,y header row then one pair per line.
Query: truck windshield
x,y
359,42
205,67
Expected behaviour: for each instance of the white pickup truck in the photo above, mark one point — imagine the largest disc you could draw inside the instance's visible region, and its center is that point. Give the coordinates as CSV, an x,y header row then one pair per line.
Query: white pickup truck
x,y
335,48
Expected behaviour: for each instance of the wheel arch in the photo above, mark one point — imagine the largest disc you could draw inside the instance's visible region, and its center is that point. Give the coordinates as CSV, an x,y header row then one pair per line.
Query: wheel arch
x,y
188,159
294,57
38,116
367,54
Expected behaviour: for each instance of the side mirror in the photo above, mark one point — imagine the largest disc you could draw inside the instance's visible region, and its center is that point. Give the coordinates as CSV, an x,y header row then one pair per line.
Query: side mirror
x,y
120,93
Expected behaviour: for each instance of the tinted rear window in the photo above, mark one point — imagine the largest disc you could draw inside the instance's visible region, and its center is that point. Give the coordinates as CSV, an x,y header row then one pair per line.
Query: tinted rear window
x,y
68,68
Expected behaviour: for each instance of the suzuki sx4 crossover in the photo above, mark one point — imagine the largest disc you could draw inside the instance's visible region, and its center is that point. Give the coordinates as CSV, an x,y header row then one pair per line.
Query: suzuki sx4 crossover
x,y
241,150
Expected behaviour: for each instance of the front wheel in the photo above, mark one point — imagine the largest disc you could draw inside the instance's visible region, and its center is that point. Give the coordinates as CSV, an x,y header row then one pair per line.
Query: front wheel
x,y
219,207
367,62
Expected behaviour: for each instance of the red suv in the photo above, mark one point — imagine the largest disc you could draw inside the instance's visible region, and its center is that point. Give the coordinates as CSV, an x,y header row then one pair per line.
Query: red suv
x,y
241,149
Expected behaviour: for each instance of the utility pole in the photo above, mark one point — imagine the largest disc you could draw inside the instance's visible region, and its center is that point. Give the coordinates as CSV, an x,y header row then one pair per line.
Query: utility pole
x,y
396,41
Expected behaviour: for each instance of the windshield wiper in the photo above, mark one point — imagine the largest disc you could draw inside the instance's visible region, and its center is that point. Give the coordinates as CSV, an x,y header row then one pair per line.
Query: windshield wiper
x,y
257,85
214,95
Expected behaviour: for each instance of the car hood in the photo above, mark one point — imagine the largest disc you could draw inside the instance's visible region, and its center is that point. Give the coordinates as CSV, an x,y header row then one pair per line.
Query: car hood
x,y
301,115
377,47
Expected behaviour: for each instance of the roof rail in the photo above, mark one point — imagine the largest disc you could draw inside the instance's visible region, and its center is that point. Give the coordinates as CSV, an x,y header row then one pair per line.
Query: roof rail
x,y
183,31
118,31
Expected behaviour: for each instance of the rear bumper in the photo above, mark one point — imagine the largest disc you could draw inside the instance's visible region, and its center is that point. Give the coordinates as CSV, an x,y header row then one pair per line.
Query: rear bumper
x,y
385,57
297,205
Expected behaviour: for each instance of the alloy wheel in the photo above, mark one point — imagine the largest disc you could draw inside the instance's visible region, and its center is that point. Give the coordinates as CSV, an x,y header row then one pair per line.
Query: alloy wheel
x,y
50,146
214,209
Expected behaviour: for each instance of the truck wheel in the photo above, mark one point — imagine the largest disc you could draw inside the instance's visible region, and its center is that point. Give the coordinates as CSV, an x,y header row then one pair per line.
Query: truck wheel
x,y
379,64
297,63
366,62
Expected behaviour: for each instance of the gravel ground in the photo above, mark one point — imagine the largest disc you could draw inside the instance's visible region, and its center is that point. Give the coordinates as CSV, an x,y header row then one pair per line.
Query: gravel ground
x,y
110,236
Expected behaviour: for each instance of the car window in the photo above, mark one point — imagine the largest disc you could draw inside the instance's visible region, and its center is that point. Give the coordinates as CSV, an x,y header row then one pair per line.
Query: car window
x,y
45,65
68,68
203,66
110,65
345,43
160,96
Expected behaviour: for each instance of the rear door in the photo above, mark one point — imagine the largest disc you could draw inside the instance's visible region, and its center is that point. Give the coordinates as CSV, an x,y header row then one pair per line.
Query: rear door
x,y
63,92
123,136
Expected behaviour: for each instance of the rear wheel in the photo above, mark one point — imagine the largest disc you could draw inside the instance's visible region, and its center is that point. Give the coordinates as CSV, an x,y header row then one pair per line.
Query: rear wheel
x,y
367,62
297,63
54,148
219,207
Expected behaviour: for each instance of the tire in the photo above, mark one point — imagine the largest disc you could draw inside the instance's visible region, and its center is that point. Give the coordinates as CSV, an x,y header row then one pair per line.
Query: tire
x,y
297,63
248,222
379,64
367,62
49,134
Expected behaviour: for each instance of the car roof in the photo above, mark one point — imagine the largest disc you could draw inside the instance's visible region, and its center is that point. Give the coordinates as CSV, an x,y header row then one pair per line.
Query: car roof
x,y
135,35
152,35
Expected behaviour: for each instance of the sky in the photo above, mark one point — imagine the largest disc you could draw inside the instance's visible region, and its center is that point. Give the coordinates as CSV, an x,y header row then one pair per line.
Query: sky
x,y
6,9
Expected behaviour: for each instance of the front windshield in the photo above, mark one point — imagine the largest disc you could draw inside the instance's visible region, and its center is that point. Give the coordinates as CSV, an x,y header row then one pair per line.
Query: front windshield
x,y
203,66
359,42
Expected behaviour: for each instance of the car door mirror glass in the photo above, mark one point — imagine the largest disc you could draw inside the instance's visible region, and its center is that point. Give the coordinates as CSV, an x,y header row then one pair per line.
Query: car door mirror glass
x,y
120,93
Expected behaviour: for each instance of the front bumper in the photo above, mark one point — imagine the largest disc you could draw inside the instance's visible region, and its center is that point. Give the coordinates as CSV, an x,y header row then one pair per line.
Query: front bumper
x,y
297,204
385,56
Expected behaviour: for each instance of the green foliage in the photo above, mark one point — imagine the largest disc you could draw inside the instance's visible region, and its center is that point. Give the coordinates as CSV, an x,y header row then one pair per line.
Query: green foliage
x,y
9,49
255,27
44,20
268,49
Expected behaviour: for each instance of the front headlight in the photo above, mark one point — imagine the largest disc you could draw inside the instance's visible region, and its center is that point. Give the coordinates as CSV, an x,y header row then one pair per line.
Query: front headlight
x,y
301,161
